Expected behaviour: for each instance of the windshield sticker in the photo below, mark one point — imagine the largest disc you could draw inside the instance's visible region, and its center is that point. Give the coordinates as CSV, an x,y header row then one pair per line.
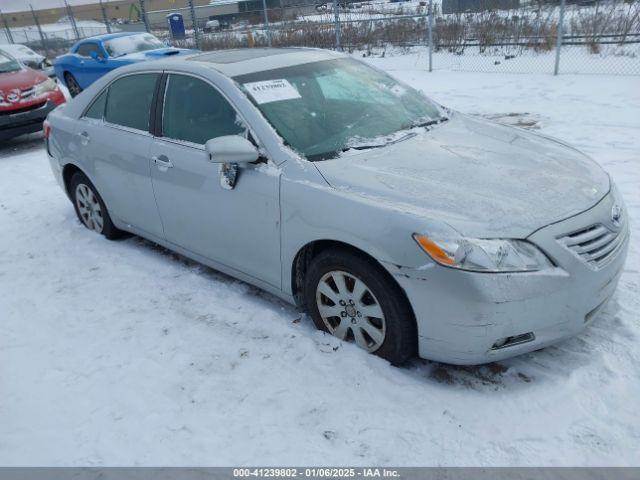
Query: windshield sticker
x,y
272,90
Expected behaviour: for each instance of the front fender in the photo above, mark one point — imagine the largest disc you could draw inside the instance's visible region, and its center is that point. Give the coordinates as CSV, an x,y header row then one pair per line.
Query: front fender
x,y
313,210
60,65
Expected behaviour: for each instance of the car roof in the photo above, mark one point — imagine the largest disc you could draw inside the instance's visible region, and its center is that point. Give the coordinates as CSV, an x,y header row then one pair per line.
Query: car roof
x,y
243,61
108,36
14,46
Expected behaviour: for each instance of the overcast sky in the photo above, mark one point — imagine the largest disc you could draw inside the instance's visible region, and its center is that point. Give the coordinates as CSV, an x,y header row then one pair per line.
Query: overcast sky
x,y
19,5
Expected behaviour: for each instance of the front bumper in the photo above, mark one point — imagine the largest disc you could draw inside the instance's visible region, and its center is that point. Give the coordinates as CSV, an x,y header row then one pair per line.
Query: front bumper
x,y
30,121
463,316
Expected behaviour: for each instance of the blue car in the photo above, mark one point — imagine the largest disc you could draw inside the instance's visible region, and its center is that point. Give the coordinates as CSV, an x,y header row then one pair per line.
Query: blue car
x,y
91,58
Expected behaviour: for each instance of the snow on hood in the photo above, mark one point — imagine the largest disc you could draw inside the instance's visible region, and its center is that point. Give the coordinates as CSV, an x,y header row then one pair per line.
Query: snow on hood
x,y
484,179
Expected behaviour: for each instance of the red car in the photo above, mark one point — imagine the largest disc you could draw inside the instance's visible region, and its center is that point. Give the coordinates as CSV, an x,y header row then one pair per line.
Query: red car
x,y
26,97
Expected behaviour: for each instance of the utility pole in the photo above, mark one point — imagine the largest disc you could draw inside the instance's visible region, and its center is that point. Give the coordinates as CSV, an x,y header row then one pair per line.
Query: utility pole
x,y
72,20
560,33
143,14
42,39
194,23
104,17
266,21
430,35
336,16
6,27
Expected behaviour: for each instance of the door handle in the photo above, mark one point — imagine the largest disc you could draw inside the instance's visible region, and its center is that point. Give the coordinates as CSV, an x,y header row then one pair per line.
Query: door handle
x,y
162,162
84,138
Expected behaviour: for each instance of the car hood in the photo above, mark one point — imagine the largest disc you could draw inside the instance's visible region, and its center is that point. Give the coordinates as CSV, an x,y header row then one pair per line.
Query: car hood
x,y
30,59
483,179
20,79
155,54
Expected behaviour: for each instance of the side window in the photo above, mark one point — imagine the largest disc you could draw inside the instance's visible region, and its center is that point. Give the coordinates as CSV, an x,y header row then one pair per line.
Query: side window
x,y
85,49
96,110
195,112
129,101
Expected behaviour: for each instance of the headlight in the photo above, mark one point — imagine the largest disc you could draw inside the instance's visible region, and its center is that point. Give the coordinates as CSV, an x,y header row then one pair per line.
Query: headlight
x,y
47,86
478,255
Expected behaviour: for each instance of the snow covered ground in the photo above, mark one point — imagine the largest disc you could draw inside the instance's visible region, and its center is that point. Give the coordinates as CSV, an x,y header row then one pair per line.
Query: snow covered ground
x,y
121,353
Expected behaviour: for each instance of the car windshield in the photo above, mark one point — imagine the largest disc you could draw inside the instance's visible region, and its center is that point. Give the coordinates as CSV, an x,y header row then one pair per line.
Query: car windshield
x,y
117,47
8,63
323,108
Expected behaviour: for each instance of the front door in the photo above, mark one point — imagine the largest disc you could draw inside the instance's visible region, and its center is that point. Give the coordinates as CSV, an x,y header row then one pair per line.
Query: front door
x,y
239,228
90,69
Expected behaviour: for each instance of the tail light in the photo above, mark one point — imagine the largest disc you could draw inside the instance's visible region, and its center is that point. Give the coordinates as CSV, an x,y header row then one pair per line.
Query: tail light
x,y
46,128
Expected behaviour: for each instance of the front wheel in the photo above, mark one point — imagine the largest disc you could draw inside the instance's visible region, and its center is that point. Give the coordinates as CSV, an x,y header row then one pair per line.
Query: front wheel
x,y
350,296
72,84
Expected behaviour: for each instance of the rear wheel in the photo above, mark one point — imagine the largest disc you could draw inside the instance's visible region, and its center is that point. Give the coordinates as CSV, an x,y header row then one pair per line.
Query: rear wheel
x,y
350,296
72,84
90,208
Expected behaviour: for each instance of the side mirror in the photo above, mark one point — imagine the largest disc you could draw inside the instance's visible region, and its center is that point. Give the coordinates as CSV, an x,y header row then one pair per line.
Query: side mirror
x,y
231,149
96,57
228,151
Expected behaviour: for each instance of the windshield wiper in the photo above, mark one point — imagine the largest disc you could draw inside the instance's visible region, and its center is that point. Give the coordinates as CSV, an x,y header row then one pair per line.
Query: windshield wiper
x,y
367,146
428,123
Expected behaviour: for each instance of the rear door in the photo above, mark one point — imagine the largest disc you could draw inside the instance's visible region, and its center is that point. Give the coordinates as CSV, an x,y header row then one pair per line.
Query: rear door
x,y
115,138
238,228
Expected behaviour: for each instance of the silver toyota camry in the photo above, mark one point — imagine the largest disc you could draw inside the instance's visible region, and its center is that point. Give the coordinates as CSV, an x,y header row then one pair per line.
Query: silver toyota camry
x,y
396,223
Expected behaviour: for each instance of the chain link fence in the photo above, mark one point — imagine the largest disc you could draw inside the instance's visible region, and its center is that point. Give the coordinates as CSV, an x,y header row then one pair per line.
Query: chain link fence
x,y
515,36
52,39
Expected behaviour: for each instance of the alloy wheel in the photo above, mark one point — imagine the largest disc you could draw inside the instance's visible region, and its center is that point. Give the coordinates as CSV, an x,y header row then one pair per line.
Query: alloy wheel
x,y
89,208
350,310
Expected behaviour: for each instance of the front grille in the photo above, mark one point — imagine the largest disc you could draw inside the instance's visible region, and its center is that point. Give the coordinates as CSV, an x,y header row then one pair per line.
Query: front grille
x,y
35,106
596,245
27,93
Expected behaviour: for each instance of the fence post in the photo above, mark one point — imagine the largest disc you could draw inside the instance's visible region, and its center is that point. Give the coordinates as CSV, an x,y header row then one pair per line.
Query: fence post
x,y
336,15
559,34
72,20
42,39
6,27
143,14
104,17
194,24
266,21
430,13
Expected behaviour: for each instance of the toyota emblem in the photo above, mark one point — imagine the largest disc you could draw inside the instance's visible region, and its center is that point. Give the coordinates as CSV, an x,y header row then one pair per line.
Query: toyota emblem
x,y
13,97
616,215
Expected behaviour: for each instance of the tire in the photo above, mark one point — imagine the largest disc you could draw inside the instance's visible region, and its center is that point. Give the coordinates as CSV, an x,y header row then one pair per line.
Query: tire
x,y
368,308
90,208
72,84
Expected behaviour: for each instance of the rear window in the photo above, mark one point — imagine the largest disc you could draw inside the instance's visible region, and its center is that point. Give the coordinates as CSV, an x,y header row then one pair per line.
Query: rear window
x,y
129,101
